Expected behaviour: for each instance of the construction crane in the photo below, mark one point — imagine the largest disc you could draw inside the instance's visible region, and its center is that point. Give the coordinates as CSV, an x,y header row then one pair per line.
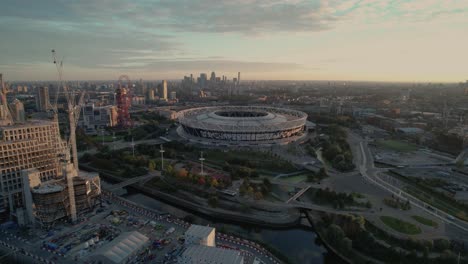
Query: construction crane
x,y
74,108
8,118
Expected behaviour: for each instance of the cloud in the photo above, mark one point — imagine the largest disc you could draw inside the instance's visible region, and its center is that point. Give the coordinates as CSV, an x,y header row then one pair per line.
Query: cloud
x,y
206,65
211,16
124,34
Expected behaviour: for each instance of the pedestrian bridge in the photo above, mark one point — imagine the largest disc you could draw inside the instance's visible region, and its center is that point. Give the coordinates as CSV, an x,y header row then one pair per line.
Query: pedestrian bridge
x,y
134,180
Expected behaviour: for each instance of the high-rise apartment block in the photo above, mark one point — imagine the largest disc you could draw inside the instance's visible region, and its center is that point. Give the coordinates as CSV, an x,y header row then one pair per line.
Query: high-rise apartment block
x,y
164,90
43,99
94,118
17,111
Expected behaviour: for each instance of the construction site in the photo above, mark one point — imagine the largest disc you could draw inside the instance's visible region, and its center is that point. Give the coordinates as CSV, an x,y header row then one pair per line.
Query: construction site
x,y
40,180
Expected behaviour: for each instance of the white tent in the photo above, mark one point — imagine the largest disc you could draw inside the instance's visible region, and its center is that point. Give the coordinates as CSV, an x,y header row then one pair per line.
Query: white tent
x,y
121,248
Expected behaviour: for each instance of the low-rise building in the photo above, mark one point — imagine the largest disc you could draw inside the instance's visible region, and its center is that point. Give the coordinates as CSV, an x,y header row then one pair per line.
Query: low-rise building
x,y
197,254
200,235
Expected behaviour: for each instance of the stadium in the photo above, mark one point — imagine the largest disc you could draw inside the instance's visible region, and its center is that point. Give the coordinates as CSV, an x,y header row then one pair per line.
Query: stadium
x,y
242,125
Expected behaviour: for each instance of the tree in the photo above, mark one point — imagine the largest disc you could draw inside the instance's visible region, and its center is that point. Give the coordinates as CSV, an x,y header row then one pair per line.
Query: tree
x,y
151,165
86,158
182,173
201,181
267,183
346,244
258,195
334,234
214,183
170,170
426,253
322,173
242,190
250,190
207,181
441,244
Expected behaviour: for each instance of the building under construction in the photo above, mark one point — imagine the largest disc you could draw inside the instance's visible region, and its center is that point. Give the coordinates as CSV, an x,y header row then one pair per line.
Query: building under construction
x,y
52,198
35,145
39,181
34,152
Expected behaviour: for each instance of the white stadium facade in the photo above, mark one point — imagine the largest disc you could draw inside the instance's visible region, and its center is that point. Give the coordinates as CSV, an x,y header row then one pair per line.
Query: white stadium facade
x,y
242,125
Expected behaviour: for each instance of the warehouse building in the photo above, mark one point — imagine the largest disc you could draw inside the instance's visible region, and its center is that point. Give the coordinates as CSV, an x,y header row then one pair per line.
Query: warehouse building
x,y
197,254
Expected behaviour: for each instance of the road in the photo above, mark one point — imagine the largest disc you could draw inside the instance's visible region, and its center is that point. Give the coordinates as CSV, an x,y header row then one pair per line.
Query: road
x,y
370,173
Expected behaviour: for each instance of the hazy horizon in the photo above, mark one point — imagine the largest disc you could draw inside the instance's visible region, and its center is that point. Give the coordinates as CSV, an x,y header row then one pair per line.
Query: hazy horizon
x,y
358,40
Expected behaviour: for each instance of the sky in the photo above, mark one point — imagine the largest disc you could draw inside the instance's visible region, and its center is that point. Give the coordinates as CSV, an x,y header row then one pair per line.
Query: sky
x,y
373,40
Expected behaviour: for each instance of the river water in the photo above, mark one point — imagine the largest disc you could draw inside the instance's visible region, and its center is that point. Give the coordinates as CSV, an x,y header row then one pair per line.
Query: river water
x,y
299,244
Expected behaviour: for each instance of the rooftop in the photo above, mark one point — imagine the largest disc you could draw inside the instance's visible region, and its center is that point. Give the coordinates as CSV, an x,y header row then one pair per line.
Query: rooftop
x,y
122,247
30,123
49,187
213,255
199,231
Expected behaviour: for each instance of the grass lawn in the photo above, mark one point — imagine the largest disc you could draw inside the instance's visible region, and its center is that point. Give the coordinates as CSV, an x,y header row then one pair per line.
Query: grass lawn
x,y
107,138
400,226
425,221
397,145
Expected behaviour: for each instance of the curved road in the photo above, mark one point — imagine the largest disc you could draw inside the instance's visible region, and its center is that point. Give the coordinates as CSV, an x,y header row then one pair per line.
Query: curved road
x,y
369,172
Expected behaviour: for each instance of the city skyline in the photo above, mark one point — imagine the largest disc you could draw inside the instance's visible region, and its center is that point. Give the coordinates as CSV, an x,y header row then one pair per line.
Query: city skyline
x,y
295,40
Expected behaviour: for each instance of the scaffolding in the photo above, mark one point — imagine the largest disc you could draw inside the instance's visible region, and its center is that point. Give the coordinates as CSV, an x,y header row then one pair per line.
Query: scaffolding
x,y
51,201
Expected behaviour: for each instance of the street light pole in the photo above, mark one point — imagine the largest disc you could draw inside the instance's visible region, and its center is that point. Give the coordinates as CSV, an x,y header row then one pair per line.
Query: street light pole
x,y
133,147
201,161
162,159
113,141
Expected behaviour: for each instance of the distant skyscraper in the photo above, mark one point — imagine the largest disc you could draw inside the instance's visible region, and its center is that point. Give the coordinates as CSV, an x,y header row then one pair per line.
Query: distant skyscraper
x,y
173,95
213,77
238,78
17,111
164,90
151,94
202,80
42,99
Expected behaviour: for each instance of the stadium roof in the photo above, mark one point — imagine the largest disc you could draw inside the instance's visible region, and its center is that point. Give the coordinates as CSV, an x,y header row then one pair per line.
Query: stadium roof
x,y
122,247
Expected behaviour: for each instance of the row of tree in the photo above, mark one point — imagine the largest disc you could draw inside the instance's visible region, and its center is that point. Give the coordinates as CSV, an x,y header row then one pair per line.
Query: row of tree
x,y
337,150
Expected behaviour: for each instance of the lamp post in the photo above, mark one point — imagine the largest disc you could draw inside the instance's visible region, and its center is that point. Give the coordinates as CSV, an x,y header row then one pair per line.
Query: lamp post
x,y
201,159
162,158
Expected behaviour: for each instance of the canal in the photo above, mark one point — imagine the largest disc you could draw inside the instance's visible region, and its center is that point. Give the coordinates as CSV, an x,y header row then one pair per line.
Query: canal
x,y
299,244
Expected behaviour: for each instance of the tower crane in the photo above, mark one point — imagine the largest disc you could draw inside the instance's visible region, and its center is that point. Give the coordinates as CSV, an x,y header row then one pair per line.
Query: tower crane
x,y
73,108
8,118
